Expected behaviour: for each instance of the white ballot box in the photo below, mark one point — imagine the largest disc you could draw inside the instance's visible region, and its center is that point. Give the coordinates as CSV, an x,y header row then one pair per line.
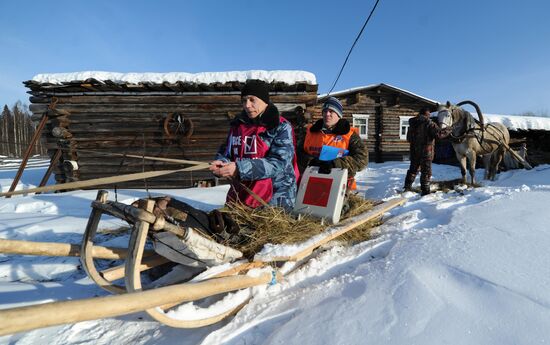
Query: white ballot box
x,y
322,195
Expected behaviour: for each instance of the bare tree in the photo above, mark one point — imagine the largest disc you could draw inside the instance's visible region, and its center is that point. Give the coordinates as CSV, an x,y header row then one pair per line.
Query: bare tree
x,y
16,131
540,113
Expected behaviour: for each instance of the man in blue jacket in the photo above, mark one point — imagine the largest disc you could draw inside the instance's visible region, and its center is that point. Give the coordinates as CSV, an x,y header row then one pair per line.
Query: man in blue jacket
x,y
259,153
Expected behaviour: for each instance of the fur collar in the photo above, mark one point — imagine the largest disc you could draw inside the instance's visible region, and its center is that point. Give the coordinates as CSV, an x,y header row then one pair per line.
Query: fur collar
x,y
342,127
269,119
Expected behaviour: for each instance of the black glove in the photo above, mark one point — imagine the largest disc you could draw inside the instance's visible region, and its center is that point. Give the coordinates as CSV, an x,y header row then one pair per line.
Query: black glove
x,y
314,162
325,167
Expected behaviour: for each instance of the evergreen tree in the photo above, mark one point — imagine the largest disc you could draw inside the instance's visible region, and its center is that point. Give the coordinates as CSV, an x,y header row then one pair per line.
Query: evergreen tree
x,y
7,132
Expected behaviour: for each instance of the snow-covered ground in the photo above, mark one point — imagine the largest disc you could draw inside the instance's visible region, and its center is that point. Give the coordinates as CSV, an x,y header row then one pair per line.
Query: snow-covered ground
x,y
464,267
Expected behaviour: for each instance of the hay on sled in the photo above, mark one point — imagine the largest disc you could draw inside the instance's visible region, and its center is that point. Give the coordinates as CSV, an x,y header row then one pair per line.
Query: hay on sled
x,y
274,225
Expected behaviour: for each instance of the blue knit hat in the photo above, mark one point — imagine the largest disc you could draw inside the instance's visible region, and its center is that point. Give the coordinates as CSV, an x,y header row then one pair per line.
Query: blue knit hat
x,y
335,105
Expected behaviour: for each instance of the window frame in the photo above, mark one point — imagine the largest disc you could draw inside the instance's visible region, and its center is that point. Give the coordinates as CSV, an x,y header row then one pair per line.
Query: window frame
x,y
406,118
362,116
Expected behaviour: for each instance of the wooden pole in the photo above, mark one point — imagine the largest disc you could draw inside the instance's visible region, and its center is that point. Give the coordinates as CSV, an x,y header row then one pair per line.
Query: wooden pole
x,y
60,249
338,230
104,180
117,272
57,313
53,162
27,154
518,157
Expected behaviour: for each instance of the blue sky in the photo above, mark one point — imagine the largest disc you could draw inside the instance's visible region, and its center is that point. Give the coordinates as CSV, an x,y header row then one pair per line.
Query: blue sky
x,y
495,53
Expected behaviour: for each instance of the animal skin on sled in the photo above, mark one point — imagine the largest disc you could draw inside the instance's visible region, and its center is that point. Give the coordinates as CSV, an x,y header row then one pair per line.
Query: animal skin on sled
x,y
193,250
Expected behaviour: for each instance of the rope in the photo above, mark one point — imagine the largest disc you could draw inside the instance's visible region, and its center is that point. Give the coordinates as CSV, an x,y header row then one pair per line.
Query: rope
x,y
177,251
273,278
248,190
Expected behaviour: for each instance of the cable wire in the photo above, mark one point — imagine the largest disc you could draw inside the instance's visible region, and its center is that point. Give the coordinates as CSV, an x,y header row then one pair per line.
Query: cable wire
x,y
352,46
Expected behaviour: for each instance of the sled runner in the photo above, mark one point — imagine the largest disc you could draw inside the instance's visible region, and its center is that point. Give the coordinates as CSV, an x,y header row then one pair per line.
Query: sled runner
x,y
223,269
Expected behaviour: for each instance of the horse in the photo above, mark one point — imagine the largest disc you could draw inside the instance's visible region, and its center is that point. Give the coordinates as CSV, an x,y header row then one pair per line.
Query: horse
x,y
471,138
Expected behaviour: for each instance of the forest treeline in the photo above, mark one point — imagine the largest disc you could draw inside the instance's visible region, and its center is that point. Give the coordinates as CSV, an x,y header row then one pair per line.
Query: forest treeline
x,y
16,131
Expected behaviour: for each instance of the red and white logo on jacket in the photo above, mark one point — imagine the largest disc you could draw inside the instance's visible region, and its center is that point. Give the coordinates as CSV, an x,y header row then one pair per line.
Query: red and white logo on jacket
x,y
250,146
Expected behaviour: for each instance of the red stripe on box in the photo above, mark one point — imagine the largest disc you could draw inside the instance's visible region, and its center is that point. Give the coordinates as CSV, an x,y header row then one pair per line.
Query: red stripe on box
x,y
317,191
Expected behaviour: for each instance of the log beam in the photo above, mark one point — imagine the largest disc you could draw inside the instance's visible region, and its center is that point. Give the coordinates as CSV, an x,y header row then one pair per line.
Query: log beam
x,y
16,247
57,313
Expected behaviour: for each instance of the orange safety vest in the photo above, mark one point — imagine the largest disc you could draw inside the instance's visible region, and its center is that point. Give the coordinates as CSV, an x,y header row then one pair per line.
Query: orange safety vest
x,y
314,141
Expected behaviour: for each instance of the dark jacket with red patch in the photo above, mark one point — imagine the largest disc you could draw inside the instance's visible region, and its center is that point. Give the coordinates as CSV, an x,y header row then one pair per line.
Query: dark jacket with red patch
x,y
263,149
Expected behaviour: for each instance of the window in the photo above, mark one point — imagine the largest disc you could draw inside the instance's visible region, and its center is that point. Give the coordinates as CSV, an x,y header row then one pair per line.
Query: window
x,y
361,122
404,126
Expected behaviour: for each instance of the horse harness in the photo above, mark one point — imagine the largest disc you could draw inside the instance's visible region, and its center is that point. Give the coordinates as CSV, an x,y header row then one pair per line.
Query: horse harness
x,y
471,131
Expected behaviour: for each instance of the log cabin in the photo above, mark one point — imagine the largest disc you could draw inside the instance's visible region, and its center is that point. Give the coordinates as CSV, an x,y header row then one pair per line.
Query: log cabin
x,y
92,115
381,112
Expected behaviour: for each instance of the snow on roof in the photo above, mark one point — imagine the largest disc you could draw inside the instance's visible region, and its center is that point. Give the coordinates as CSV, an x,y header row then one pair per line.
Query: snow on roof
x,y
512,122
289,77
350,90
515,122
374,86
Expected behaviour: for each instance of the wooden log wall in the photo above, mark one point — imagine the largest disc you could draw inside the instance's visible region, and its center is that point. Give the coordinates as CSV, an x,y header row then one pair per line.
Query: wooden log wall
x,y
392,146
537,143
85,126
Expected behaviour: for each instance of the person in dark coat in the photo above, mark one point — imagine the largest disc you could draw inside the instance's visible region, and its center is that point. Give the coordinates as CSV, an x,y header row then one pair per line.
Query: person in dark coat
x,y
421,136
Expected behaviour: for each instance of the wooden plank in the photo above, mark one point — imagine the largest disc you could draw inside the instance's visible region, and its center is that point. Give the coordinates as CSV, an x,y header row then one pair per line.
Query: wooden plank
x,y
338,230
103,181
145,118
301,97
57,313
211,104
59,249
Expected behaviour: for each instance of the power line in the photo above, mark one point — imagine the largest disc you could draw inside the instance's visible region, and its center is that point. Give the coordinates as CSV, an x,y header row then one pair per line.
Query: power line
x,y
352,46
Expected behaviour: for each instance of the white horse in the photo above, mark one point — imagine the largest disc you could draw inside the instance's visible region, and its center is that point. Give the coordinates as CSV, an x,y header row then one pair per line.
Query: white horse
x,y
472,138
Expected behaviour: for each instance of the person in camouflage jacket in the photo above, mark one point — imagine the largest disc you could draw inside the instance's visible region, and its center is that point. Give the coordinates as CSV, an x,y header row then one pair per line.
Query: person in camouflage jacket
x,y
333,130
421,136
259,154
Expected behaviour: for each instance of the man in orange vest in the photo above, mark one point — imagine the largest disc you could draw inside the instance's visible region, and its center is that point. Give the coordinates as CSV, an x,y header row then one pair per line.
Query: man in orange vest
x,y
333,130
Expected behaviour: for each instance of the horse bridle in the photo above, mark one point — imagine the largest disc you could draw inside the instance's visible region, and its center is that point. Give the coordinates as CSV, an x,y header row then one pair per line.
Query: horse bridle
x,y
468,132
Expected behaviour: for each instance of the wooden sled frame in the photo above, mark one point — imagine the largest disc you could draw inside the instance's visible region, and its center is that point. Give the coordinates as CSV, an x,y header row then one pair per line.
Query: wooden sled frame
x,y
130,298
134,263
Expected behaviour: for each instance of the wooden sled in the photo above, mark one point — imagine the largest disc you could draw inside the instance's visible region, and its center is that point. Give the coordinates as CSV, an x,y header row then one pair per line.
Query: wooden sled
x,y
132,296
